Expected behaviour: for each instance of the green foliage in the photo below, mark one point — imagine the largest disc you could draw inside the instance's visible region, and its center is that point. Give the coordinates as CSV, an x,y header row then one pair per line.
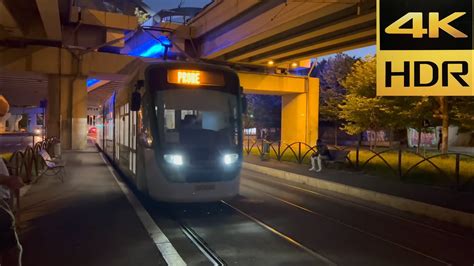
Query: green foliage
x,y
330,100
413,111
361,109
331,73
361,80
462,112
263,111
364,113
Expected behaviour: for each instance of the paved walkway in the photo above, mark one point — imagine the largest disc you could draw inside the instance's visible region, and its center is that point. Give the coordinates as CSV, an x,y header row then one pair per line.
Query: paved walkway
x,y
463,201
84,221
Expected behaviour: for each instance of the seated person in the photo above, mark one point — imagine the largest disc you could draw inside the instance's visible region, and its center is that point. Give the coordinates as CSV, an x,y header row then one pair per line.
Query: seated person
x,y
322,152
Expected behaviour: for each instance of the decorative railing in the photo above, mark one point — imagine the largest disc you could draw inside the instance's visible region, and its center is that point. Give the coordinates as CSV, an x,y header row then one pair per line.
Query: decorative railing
x,y
405,164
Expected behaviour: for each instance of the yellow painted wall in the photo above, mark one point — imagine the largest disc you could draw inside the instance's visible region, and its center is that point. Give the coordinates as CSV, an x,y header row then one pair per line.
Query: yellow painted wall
x,y
293,118
299,118
313,111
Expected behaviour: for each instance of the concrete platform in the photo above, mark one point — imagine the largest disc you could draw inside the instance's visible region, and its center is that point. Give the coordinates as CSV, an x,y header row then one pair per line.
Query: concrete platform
x,y
86,220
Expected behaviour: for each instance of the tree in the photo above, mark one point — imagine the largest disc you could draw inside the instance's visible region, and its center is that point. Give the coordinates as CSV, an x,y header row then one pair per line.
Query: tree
x,y
264,111
331,73
363,113
462,112
414,112
334,71
458,111
361,109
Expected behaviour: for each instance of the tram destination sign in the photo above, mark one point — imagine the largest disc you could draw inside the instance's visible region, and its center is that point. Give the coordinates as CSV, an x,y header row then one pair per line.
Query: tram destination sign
x,y
195,77
425,48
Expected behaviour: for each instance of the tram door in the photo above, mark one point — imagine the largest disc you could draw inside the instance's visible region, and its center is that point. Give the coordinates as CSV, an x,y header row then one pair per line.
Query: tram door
x,y
126,139
133,143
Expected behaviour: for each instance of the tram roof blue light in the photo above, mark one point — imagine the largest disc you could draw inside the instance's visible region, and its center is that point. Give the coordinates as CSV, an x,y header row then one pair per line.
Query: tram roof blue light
x,y
151,48
91,82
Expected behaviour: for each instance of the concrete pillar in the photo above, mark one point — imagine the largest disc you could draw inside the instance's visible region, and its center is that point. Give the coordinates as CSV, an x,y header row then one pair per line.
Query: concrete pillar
x,y
67,111
293,118
79,114
57,89
300,115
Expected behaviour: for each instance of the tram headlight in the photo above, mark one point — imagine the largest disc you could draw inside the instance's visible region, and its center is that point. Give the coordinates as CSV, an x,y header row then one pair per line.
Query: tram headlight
x,y
230,158
175,159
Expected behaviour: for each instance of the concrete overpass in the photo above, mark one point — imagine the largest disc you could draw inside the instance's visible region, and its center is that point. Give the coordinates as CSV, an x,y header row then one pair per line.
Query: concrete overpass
x,y
244,34
282,31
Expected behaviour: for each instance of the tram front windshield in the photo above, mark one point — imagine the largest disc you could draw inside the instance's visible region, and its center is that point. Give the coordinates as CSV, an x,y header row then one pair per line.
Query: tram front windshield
x,y
197,118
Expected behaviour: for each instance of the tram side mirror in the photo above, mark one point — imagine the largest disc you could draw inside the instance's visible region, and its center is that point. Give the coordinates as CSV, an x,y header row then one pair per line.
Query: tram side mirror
x,y
244,104
136,101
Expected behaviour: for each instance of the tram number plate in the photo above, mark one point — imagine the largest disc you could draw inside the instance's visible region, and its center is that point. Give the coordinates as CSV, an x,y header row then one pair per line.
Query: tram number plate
x,y
204,187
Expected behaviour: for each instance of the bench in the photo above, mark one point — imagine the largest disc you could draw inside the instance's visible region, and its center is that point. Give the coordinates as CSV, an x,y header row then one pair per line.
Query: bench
x,y
336,157
53,167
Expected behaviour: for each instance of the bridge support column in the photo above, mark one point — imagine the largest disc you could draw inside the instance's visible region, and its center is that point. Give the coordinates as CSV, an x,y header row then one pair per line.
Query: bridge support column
x,y
67,111
300,115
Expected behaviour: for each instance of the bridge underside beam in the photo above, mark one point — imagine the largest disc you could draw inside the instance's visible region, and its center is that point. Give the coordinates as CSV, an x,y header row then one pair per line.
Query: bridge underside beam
x,y
52,60
255,83
307,29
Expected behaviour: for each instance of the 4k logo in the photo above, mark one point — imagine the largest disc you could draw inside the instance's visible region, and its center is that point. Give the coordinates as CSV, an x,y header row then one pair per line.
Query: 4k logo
x,y
435,25
425,47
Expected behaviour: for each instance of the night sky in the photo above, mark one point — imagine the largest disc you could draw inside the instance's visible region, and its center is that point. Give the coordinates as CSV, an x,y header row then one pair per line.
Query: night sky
x,y
158,5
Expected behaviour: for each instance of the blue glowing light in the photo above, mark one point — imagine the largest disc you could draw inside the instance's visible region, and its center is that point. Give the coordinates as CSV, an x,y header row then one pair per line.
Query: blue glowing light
x,y
151,48
92,82
165,41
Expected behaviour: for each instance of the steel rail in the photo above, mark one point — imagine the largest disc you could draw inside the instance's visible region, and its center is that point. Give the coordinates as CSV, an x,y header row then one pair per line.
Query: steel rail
x,y
200,244
355,228
280,234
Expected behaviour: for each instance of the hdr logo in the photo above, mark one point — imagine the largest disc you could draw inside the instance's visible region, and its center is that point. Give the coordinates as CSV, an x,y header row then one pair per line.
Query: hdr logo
x,y
425,48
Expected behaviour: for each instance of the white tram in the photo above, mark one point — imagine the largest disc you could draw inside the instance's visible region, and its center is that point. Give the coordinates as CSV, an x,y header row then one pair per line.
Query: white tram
x,y
175,131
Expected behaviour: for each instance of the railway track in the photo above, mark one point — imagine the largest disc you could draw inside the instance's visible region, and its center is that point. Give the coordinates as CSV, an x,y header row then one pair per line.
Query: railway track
x,y
205,247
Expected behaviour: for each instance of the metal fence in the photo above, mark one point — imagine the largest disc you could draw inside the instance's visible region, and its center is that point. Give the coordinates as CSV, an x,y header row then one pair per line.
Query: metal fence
x,y
402,163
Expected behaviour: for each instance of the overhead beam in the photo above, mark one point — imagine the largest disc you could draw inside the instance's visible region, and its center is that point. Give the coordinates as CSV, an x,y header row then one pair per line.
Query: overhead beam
x,y
222,14
8,23
260,83
295,39
270,23
49,13
329,42
52,60
337,48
